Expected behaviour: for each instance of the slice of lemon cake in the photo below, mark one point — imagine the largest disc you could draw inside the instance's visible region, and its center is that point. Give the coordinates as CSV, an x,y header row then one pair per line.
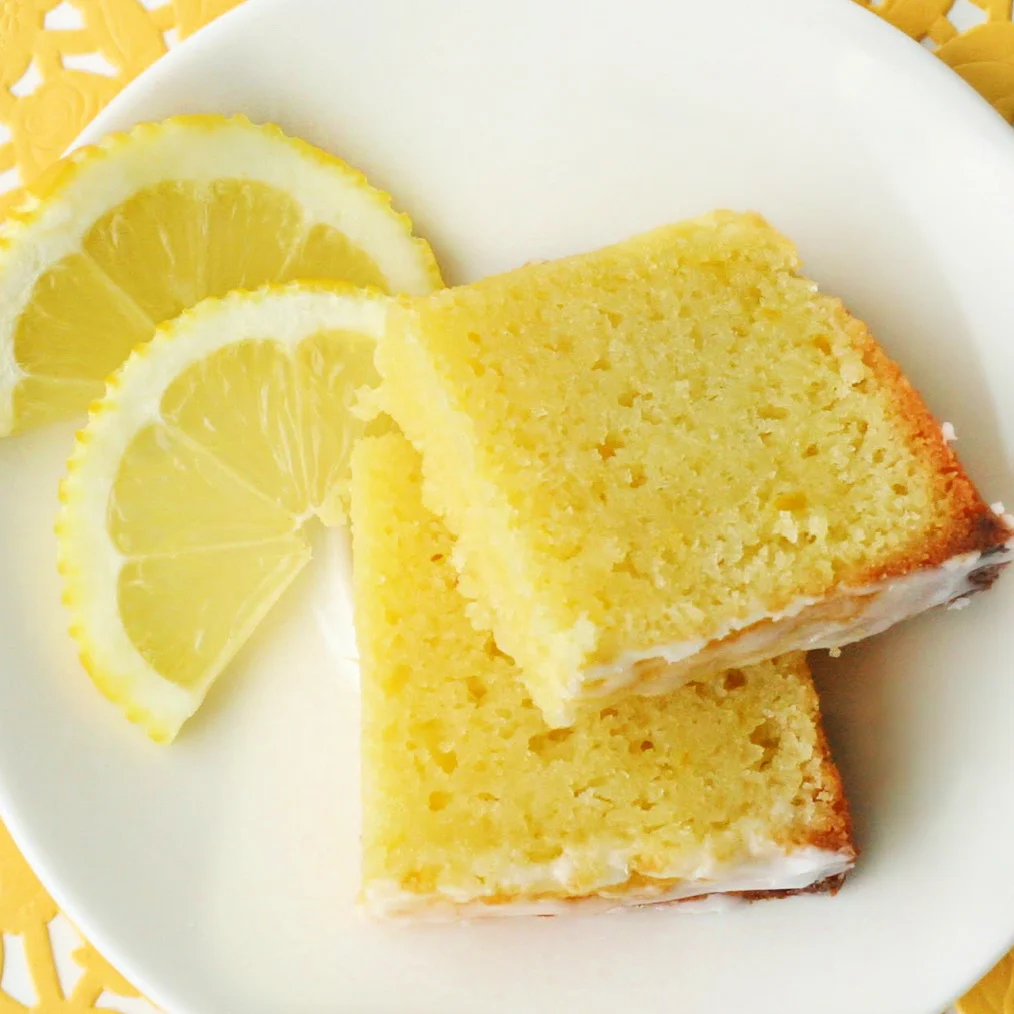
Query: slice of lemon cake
x,y
474,806
673,456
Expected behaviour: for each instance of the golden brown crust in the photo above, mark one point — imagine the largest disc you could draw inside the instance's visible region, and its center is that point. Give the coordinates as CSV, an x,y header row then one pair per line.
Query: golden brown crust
x,y
836,834
830,885
833,833
970,524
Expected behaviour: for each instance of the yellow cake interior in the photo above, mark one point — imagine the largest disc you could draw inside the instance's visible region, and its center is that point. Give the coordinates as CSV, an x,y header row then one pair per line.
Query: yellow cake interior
x,y
662,442
472,803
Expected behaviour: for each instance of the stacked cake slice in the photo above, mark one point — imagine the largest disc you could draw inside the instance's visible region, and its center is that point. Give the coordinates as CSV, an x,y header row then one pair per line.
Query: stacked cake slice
x,y
474,805
633,470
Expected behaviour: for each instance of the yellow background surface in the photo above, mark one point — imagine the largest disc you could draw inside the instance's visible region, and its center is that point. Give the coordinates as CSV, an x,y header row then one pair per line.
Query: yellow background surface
x,y
61,61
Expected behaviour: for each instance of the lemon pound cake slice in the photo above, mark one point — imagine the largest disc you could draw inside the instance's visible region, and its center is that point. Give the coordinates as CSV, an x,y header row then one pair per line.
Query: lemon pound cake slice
x,y
474,806
673,456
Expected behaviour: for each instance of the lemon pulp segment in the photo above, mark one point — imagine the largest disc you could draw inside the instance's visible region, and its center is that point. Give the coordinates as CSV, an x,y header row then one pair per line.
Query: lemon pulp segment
x,y
130,232
185,499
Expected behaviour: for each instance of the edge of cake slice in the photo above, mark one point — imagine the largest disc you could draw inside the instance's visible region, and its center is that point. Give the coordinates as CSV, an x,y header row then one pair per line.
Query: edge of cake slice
x,y
675,455
473,806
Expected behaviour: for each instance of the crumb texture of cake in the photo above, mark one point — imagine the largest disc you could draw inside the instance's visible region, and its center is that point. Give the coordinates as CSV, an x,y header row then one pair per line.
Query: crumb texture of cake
x,y
674,455
472,805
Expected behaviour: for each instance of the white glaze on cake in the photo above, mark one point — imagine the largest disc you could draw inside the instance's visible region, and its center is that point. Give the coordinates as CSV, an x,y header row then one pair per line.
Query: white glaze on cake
x,y
771,869
807,624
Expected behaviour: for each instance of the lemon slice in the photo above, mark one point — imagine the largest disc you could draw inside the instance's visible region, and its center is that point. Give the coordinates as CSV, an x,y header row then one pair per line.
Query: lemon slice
x,y
128,233
184,503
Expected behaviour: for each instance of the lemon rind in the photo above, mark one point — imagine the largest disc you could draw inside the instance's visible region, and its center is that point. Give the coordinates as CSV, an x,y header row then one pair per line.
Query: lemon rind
x,y
88,561
56,211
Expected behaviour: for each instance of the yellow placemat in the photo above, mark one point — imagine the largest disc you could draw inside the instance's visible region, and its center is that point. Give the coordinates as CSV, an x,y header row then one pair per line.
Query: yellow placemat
x,y
47,94
61,61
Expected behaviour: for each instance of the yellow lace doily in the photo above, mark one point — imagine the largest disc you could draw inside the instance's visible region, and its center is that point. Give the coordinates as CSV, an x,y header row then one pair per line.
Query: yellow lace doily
x,y
61,61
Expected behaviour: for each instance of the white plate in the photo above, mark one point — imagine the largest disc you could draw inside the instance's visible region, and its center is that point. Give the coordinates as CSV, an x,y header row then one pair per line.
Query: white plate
x,y
219,874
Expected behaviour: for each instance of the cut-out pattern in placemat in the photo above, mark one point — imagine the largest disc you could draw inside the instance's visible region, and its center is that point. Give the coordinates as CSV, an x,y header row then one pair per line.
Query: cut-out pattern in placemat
x,y
994,994
61,61
44,964
975,37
